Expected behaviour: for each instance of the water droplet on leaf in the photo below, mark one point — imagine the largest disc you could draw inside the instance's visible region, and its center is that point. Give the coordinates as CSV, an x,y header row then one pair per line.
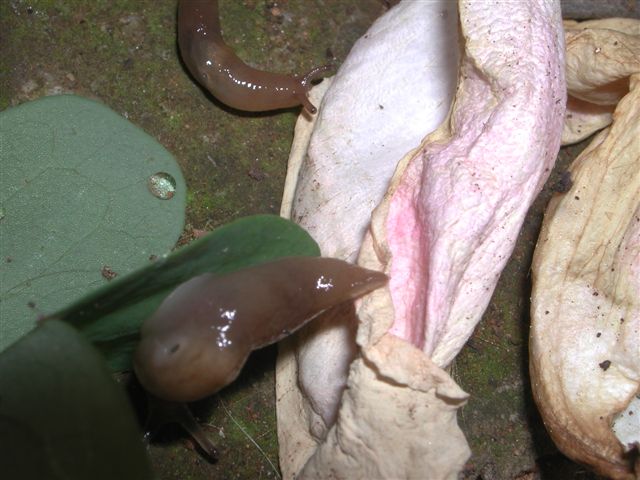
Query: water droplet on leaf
x,y
162,185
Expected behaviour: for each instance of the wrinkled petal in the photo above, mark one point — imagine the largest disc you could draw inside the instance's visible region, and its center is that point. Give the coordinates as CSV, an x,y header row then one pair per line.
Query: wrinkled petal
x,y
585,305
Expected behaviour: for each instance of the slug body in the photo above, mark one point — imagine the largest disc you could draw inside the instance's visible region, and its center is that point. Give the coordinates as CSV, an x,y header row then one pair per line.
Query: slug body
x,y
200,336
215,65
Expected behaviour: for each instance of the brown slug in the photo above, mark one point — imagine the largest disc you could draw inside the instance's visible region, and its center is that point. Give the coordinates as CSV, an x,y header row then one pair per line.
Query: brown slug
x,y
215,65
201,335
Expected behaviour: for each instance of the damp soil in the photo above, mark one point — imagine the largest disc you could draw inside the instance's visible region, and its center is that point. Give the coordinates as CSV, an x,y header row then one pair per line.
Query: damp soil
x,y
124,54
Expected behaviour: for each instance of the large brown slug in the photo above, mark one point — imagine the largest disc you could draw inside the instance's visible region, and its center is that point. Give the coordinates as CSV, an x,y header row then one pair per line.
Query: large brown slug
x,y
202,333
215,65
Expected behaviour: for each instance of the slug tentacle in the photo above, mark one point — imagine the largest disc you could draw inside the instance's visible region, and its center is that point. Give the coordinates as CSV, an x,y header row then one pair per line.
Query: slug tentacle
x,y
306,80
202,333
216,66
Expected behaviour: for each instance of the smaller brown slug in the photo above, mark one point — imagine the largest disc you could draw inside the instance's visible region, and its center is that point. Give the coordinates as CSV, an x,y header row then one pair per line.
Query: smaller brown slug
x,y
202,333
216,66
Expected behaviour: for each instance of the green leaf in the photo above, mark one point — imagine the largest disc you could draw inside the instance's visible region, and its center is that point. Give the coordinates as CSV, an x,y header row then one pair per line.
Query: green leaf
x,y
61,414
111,316
75,203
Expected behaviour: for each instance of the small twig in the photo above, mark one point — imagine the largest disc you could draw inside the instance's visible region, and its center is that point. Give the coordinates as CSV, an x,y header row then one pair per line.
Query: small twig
x,y
492,343
226,410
